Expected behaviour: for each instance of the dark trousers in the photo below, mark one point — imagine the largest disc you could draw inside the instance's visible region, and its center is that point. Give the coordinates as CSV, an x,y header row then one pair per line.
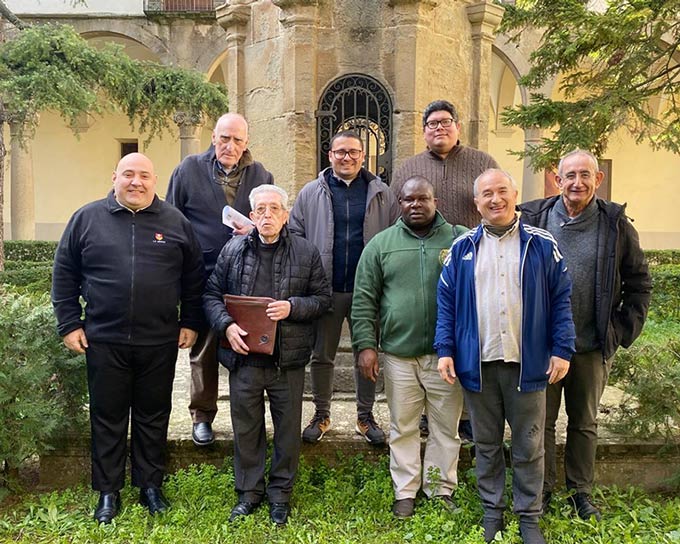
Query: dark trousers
x,y
126,379
321,369
499,401
204,377
583,387
247,386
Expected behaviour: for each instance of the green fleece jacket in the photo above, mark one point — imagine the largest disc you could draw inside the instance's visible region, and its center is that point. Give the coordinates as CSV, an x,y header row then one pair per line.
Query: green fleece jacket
x,y
396,285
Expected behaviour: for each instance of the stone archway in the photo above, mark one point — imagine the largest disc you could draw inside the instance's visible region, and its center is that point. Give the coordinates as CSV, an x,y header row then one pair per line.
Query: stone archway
x,y
361,103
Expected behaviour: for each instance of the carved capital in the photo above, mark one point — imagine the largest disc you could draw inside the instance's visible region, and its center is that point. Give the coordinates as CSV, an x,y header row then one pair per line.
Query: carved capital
x,y
186,119
485,18
81,123
297,12
233,16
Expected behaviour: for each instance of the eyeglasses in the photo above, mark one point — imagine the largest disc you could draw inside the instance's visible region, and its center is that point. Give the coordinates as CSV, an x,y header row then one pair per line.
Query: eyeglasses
x,y
340,154
274,209
445,123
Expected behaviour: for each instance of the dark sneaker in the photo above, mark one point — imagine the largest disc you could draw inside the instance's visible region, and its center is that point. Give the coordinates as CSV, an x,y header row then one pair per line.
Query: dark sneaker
x,y
492,526
423,426
582,503
403,508
368,428
530,532
318,426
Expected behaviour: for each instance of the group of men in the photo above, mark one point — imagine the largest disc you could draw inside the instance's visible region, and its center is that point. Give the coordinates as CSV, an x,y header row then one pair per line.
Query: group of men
x,y
465,313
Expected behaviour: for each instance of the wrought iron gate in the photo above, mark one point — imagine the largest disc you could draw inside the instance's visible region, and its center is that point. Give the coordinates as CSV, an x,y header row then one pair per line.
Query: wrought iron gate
x,y
360,103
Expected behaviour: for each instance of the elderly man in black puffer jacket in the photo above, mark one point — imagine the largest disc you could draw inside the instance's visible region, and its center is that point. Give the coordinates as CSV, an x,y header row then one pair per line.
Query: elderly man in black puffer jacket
x,y
268,262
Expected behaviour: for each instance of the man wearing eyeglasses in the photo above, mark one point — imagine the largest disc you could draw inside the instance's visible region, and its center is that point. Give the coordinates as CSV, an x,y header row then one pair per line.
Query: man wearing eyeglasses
x,y
287,269
339,212
200,187
450,166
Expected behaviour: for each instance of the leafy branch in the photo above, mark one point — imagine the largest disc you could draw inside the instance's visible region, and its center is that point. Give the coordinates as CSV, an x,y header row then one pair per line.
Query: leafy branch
x,y
619,69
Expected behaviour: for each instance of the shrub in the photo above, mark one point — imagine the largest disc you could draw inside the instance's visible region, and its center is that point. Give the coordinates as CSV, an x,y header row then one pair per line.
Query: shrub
x,y
30,250
649,373
43,386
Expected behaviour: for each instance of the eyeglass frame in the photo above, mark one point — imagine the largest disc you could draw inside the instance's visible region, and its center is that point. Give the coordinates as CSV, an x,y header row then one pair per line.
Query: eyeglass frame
x,y
450,121
346,153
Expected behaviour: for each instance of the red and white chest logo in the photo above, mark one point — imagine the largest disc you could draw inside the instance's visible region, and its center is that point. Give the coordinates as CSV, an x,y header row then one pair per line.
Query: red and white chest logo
x,y
159,238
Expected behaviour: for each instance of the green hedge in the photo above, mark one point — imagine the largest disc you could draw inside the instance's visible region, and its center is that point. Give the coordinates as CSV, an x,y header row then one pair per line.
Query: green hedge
x,y
665,303
30,250
649,373
663,256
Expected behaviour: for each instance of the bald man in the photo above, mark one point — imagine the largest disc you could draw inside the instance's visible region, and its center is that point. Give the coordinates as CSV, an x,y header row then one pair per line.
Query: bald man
x,y
200,187
133,259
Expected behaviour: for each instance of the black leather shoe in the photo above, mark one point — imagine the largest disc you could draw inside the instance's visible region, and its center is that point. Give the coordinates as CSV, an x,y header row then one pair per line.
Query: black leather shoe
x,y
279,512
107,507
202,434
153,499
243,508
581,502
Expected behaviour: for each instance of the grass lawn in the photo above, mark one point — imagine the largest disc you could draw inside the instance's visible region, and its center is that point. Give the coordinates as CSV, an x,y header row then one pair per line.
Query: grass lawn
x,y
349,503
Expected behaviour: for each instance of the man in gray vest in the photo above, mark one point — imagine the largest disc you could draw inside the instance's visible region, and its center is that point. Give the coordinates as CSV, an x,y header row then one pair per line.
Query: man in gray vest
x,y
610,299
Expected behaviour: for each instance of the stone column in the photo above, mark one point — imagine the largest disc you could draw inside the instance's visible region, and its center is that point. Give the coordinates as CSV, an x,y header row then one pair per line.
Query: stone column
x,y
22,202
190,125
234,18
533,184
299,20
485,17
411,17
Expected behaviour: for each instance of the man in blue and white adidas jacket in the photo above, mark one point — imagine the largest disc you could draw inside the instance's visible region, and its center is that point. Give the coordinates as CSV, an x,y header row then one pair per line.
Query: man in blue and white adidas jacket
x,y
505,330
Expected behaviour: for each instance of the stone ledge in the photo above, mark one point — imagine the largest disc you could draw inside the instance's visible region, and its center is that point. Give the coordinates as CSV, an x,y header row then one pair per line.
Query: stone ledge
x,y
621,464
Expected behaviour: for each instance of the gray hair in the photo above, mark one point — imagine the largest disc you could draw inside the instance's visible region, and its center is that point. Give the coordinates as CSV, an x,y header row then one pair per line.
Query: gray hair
x,y
577,151
266,188
505,173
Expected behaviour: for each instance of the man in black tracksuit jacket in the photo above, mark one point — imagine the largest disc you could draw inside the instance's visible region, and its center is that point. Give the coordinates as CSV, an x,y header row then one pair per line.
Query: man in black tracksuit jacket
x,y
132,258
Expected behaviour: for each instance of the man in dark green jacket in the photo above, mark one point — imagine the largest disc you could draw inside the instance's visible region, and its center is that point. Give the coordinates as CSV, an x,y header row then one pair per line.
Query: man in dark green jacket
x,y
395,292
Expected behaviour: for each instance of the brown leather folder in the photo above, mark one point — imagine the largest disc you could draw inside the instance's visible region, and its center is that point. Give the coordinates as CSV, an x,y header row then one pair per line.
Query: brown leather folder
x,y
250,314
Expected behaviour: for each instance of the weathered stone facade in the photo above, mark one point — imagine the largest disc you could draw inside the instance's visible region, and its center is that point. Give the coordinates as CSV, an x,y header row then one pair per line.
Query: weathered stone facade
x,y
279,59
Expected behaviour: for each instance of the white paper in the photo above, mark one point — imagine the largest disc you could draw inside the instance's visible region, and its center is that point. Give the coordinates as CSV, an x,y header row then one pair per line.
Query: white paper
x,y
234,219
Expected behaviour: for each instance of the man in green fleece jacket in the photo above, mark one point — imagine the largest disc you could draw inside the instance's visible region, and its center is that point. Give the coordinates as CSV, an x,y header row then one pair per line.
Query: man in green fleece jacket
x,y
395,292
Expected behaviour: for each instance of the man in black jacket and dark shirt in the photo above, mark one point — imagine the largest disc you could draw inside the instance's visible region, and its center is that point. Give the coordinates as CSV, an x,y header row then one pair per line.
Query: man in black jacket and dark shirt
x,y
268,262
132,258
200,187
610,298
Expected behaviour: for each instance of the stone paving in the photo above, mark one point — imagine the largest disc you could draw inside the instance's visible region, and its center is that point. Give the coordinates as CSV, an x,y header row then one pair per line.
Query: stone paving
x,y
343,416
